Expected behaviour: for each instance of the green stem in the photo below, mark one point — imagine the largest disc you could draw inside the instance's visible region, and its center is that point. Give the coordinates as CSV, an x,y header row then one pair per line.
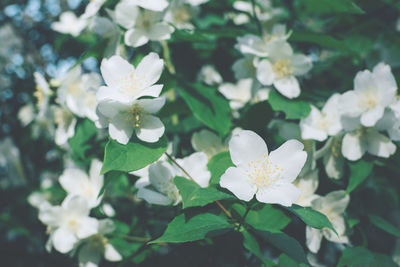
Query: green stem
x,y
258,23
244,216
167,56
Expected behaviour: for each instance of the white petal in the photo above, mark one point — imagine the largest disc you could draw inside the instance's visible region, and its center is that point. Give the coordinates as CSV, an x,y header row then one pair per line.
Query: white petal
x,y
279,49
94,173
387,86
363,81
126,14
114,69
153,197
371,116
136,37
352,146
149,69
63,240
288,87
313,239
106,93
265,74
160,31
196,166
379,145
334,166
337,201
152,105
87,227
290,157
153,91
309,126
284,194
111,254
151,129
247,146
77,205
348,104
71,180
237,181
301,64
120,130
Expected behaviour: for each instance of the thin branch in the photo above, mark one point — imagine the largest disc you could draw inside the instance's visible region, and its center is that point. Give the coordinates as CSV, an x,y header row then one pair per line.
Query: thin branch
x,y
191,178
167,57
258,23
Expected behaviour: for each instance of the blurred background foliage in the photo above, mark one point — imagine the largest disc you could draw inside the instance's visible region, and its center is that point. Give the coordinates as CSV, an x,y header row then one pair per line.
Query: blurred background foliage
x,y
346,39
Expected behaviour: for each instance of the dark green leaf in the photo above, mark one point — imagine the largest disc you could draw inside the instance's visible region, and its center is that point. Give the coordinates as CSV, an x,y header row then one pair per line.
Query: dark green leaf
x,y
362,257
293,109
182,229
320,39
329,6
286,244
79,142
250,243
384,225
265,218
359,171
311,217
193,195
218,164
286,261
208,107
257,116
133,156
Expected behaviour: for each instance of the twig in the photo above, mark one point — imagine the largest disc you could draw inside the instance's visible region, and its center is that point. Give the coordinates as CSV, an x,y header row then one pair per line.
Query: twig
x,y
258,23
191,178
167,57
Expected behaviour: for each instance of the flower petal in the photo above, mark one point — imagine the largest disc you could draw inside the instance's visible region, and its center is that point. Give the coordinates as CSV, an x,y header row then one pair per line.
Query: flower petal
x,y
160,31
111,254
313,239
114,69
288,86
265,74
153,197
301,64
151,130
371,116
238,182
149,69
151,105
87,227
353,147
284,194
136,37
63,240
379,145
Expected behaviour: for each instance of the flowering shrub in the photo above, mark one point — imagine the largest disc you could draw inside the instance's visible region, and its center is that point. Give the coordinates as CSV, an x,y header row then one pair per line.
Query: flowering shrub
x,y
216,133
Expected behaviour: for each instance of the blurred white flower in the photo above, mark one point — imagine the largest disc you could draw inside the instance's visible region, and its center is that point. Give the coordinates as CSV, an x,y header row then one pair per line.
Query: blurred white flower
x,y
373,91
78,92
66,122
209,75
76,182
269,177
97,245
207,142
308,184
125,118
92,8
26,114
332,157
320,124
281,67
68,223
332,206
179,14
42,93
244,68
69,24
126,83
263,10
12,173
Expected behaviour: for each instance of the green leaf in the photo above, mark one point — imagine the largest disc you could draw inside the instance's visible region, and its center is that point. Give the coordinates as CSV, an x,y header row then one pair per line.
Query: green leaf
x,y
286,244
286,261
79,142
336,6
384,225
126,249
293,109
251,244
182,229
311,217
264,218
257,116
208,107
193,195
320,39
133,156
359,171
362,257
218,164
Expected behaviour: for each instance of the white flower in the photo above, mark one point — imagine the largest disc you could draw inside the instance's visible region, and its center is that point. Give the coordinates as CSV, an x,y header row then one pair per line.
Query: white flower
x,y
66,123
126,118
390,122
78,92
159,188
263,10
155,5
238,94
319,124
373,91
179,14
92,8
68,223
308,184
142,25
269,177
244,68
261,46
26,114
126,83
69,24
98,245
209,75
207,142
76,182
11,164
42,93
332,157
332,206
281,67
361,139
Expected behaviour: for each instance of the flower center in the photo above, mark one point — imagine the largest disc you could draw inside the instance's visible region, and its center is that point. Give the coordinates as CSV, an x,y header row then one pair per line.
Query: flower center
x,y
283,68
72,224
324,122
181,15
39,95
146,21
263,173
136,116
369,99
